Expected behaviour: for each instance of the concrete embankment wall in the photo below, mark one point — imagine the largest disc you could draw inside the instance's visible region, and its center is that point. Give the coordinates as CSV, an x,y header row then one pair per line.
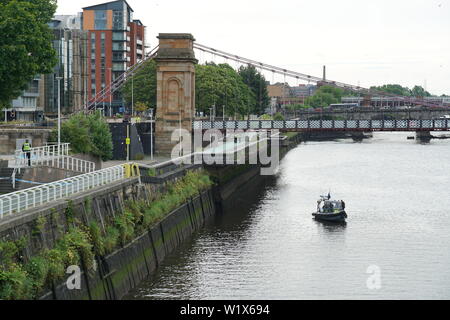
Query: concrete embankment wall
x,y
11,139
117,273
123,270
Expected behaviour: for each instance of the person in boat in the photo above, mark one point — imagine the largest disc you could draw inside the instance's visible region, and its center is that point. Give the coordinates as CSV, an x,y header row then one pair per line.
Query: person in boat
x,y
343,205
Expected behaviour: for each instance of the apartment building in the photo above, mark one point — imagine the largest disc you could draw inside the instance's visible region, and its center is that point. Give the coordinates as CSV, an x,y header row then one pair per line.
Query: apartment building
x,y
116,42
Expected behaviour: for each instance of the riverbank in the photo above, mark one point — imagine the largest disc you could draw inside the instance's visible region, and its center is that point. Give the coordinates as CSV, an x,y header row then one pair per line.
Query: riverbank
x,y
117,239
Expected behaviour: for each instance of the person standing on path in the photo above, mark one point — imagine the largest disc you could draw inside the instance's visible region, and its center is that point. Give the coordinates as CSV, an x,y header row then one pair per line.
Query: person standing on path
x,y
26,147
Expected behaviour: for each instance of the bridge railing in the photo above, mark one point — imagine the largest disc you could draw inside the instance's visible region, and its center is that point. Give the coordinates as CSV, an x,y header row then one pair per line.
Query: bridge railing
x,y
53,156
306,125
16,202
41,154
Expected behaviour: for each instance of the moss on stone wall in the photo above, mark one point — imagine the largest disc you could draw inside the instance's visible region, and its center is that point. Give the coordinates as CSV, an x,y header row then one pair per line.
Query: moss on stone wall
x,y
20,279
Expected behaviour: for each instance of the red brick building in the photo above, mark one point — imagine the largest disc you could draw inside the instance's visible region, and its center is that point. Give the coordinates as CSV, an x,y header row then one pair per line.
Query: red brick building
x,y
116,42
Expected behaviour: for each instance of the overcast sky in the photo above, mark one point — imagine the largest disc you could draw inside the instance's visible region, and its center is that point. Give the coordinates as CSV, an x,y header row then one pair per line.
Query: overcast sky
x,y
360,41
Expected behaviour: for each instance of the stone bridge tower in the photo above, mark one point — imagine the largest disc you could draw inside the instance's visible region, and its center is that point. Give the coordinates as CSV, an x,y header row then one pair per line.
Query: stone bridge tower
x,y
175,88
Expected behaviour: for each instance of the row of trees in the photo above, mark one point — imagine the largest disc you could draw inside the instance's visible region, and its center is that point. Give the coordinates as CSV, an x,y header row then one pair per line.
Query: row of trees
x,y
241,92
25,44
417,91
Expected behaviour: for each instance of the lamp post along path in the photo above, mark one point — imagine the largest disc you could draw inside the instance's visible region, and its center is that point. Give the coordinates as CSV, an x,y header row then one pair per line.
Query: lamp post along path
x,y
59,112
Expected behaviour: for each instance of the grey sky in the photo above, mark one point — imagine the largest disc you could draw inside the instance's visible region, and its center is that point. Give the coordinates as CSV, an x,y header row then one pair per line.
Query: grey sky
x,y
360,41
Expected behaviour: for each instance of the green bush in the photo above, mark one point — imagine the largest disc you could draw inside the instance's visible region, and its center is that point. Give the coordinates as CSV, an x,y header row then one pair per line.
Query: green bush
x,y
98,240
278,117
87,135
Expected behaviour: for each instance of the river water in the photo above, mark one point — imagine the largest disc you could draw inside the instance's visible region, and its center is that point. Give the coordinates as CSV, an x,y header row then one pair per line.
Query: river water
x,y
267,246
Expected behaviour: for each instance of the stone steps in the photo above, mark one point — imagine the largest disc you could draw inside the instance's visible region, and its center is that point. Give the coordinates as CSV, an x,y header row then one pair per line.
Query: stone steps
x,y
5,180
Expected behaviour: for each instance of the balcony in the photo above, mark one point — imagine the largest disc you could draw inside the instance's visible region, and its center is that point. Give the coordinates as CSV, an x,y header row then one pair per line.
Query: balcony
x,y
119,47
139,42
119,57
119,67
119,36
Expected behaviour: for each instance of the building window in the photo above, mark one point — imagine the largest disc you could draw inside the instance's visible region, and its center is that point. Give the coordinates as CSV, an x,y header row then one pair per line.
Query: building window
x,y
118,46
118,20
100,20
118,67
118,56
119,36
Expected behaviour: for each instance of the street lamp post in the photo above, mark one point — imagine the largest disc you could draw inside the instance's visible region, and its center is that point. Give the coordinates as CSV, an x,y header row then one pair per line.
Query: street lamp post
x,y
151,134
59,112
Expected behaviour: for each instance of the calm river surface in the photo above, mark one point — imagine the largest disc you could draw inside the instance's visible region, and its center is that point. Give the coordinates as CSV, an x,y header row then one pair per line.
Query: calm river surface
x,y
268,246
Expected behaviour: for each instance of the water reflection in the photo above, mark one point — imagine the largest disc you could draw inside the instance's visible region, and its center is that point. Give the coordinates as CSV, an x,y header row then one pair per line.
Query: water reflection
x,y
268,246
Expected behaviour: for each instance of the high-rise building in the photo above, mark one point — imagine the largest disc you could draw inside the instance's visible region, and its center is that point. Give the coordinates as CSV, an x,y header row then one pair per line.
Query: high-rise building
x,y
70,43
116,42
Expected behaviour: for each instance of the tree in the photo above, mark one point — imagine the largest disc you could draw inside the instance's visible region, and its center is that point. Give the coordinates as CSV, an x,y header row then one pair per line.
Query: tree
x,y
393,89
278,117
25,44
325,96
142,85
257,83
140,107
419,91
221,85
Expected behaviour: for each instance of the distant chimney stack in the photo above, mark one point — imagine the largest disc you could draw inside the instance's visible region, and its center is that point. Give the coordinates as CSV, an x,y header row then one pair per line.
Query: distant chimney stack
x,y
324,73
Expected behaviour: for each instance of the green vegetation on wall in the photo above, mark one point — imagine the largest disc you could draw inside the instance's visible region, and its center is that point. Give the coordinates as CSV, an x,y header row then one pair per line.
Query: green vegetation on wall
x,y
81,243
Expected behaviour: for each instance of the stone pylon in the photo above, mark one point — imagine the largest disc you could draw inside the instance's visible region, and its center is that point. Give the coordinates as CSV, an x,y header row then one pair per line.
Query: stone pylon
x,y
175,88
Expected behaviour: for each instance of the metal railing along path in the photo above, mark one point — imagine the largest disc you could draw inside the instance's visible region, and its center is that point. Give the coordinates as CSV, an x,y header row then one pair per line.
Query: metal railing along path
x,y
53,156
342,125
16,202
41,154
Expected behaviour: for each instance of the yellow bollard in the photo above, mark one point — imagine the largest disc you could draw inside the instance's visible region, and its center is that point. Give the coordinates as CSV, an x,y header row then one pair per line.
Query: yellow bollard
x,y
136,172
127,170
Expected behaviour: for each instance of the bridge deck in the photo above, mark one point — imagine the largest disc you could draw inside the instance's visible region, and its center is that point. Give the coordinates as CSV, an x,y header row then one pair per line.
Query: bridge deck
x,y
324,125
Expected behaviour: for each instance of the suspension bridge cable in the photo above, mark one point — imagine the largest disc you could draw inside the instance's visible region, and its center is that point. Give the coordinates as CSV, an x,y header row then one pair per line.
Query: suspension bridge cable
x,y
310,78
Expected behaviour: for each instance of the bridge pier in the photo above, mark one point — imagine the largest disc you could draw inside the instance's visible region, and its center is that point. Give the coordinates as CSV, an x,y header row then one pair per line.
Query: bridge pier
x,y
424,136
357,136
175,88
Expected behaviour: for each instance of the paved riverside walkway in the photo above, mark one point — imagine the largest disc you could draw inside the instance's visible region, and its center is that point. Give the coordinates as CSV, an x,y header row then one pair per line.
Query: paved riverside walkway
x,y
147,161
